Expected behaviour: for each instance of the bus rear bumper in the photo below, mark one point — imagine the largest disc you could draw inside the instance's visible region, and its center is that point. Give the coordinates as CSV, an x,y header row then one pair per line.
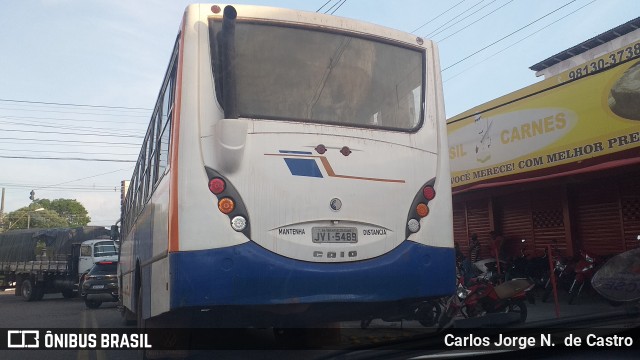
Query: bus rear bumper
x,y
248,274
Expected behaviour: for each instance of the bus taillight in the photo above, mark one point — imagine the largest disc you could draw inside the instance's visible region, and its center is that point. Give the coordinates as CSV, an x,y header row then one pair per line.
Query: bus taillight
x,y
420,206
226,205
217,186
428,192
413,225
229,202
239,223
422,210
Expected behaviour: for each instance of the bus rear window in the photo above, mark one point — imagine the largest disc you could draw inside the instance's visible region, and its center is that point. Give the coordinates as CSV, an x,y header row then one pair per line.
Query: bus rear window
x,y
324,77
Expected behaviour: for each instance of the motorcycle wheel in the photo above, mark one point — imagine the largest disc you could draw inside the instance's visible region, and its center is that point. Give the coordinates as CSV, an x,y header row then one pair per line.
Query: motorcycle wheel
x,y
428,314
573,295
446,317
520,307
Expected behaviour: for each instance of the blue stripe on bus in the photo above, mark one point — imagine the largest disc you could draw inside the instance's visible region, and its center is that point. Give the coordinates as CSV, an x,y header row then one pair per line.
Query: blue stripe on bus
x,y
248,274
303,167
296,152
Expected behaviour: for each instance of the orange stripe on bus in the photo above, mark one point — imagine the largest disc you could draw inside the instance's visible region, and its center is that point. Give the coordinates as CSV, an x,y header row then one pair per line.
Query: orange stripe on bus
x,y
174,240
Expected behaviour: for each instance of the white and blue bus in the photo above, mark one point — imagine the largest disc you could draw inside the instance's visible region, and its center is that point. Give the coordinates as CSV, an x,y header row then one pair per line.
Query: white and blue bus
x,y
295,166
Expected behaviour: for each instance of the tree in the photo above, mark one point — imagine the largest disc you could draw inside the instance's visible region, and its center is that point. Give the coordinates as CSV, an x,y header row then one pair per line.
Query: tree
x,y
27,216
55,213
70,209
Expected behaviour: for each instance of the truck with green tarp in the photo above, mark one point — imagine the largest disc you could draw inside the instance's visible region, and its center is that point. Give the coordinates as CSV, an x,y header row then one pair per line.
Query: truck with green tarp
x,y
42,261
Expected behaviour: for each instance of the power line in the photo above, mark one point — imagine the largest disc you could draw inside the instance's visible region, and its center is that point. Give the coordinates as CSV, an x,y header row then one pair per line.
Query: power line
x,y
332,6
325,4
66,133
39,124
453,18
79,186
35,185
464,18
466,27
142,125
132,146
69,189
105,188
65,152
497,41
71,141
64,158
449,9
72,104
521,40
88,177
339,6
77,112
541,91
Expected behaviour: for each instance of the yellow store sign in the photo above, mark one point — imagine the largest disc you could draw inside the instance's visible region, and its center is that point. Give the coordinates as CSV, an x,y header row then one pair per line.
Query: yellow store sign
x,y
564,124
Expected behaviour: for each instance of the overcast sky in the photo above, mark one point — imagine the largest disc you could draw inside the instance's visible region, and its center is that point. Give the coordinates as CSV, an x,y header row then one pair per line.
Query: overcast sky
x,y
113,54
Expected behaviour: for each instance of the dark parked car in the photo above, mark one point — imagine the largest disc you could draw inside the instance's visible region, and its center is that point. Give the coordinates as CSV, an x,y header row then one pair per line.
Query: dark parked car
x,y
100,284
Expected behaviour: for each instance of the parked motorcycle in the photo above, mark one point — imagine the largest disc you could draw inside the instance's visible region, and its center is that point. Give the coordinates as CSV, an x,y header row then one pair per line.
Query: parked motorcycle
x,y
562,271
425,312
584,271
483,297
488,269
535,268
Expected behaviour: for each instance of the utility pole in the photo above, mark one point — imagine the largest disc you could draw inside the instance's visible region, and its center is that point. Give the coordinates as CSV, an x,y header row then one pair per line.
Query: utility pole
x,y
2,209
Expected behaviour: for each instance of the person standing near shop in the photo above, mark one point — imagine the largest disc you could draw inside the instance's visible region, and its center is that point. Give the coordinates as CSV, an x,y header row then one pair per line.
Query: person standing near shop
x,y
474,248
467,267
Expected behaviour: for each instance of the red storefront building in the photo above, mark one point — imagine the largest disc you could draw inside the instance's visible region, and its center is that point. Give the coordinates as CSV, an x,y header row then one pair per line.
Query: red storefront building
x,y
558,161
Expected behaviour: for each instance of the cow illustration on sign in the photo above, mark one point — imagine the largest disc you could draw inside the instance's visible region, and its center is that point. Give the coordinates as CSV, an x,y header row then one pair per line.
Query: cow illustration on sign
x,y
483,152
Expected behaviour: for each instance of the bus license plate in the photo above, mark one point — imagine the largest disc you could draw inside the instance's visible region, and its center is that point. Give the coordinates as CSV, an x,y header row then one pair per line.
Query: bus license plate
x,y
334,235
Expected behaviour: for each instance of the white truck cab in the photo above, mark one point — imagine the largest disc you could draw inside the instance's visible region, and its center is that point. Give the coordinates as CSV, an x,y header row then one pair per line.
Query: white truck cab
x,y
92,251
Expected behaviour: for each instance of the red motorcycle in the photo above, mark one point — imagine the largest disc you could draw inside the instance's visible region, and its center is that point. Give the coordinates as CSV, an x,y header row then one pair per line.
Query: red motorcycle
x,y
482,297
584,271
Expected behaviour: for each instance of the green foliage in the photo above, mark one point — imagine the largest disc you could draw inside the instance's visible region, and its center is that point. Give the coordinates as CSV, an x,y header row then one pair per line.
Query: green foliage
x,y
70,209
45,213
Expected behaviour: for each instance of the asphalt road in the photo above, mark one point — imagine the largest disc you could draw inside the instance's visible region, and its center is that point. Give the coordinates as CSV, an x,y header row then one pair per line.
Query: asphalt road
x,y
55,312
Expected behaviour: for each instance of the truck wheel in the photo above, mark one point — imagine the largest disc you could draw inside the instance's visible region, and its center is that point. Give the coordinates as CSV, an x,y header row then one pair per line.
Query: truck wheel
x,y
93,304
69,294
29,293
